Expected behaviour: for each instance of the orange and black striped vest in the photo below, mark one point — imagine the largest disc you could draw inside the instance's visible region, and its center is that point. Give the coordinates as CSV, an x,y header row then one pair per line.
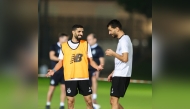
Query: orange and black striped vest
x,y
75,61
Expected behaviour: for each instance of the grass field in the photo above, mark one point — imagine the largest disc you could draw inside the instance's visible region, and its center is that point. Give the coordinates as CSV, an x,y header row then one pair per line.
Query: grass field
x,y
138,96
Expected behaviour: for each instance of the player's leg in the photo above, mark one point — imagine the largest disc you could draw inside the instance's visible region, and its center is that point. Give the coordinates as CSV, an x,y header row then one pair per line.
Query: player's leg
x,y
63,93
53,84
94,78
49,95
118,89
85,90
115,93
120,106
88,101
63,96
70,101
71,92
94,86
114,101
124,83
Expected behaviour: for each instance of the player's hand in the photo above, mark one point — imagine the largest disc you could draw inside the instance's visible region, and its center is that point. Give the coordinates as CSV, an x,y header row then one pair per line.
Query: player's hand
x,y
109,52
50,73
110,77
100,67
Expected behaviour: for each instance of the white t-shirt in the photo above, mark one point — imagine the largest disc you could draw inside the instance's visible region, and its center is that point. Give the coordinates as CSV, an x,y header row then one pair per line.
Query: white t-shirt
x,y
124,69
74,46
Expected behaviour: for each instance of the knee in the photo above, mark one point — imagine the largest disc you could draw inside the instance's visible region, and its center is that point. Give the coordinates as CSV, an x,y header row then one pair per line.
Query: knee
x,y
113,101
70,101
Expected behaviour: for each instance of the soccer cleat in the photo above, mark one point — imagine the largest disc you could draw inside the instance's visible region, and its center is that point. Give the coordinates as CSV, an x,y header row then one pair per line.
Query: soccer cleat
x,y
96,106
62,107
47,107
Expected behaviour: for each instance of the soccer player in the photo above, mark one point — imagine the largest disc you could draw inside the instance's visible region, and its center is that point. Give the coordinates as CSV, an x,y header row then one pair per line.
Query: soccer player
x,y
75,56
120,77
58,77
98,57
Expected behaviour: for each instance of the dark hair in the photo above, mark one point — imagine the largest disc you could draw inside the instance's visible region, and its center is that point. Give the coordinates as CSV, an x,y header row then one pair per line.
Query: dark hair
x,y
62,35
76,26
114,23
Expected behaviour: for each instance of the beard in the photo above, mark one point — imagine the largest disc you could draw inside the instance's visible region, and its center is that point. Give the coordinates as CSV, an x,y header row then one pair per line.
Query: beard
x,y
78,38
114,35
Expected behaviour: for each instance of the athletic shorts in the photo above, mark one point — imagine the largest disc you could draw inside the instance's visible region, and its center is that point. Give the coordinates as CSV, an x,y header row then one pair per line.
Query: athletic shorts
x,y
57,78
81,86
91,73
119,86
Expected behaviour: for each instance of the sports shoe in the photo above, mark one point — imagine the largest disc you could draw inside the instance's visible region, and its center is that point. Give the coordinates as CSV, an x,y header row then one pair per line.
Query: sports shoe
x,y
47,106
96,106
61,107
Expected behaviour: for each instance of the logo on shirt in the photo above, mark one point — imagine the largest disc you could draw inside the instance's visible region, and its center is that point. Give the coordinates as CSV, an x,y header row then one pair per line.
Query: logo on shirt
x,y
68,90
93,52
76,58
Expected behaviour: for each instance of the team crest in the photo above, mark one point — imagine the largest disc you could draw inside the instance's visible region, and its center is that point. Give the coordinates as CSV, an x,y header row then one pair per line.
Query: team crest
x,y
68,90
52,82
93,52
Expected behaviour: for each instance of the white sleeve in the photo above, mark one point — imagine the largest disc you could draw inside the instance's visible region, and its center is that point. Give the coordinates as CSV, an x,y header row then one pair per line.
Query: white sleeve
x,y
89,52
60,55
124,46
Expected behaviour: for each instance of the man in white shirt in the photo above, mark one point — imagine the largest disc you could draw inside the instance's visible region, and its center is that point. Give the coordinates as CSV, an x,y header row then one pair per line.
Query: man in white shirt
x,y
120,77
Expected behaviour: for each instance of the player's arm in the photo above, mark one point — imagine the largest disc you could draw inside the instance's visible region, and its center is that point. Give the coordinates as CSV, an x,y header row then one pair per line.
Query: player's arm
x,y
110,76
123,57
124,50
94,65
101,57
60,63
52,56
57,66
91,61
101,60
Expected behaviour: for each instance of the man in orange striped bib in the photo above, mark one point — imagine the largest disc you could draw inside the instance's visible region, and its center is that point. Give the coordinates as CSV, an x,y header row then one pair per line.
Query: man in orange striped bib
x,y
75,56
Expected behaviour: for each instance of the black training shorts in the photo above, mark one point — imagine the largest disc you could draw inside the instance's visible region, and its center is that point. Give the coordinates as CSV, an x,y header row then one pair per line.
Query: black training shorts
x,y
119,86
75,86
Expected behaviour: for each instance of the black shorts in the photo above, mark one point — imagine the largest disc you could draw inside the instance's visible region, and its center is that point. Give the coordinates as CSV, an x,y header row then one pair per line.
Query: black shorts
x,y
72,88
57,78
119,86
91,73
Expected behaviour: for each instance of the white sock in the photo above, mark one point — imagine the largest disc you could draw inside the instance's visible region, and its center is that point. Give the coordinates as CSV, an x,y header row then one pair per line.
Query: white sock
x,y
94,96
48,103
61,104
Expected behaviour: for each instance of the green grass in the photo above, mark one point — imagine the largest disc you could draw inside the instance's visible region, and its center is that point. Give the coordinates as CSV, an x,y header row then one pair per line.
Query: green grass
x,y
138,96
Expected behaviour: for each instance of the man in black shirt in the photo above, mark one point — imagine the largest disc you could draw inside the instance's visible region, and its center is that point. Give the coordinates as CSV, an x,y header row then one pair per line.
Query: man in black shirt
x,y
98,57
57,77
